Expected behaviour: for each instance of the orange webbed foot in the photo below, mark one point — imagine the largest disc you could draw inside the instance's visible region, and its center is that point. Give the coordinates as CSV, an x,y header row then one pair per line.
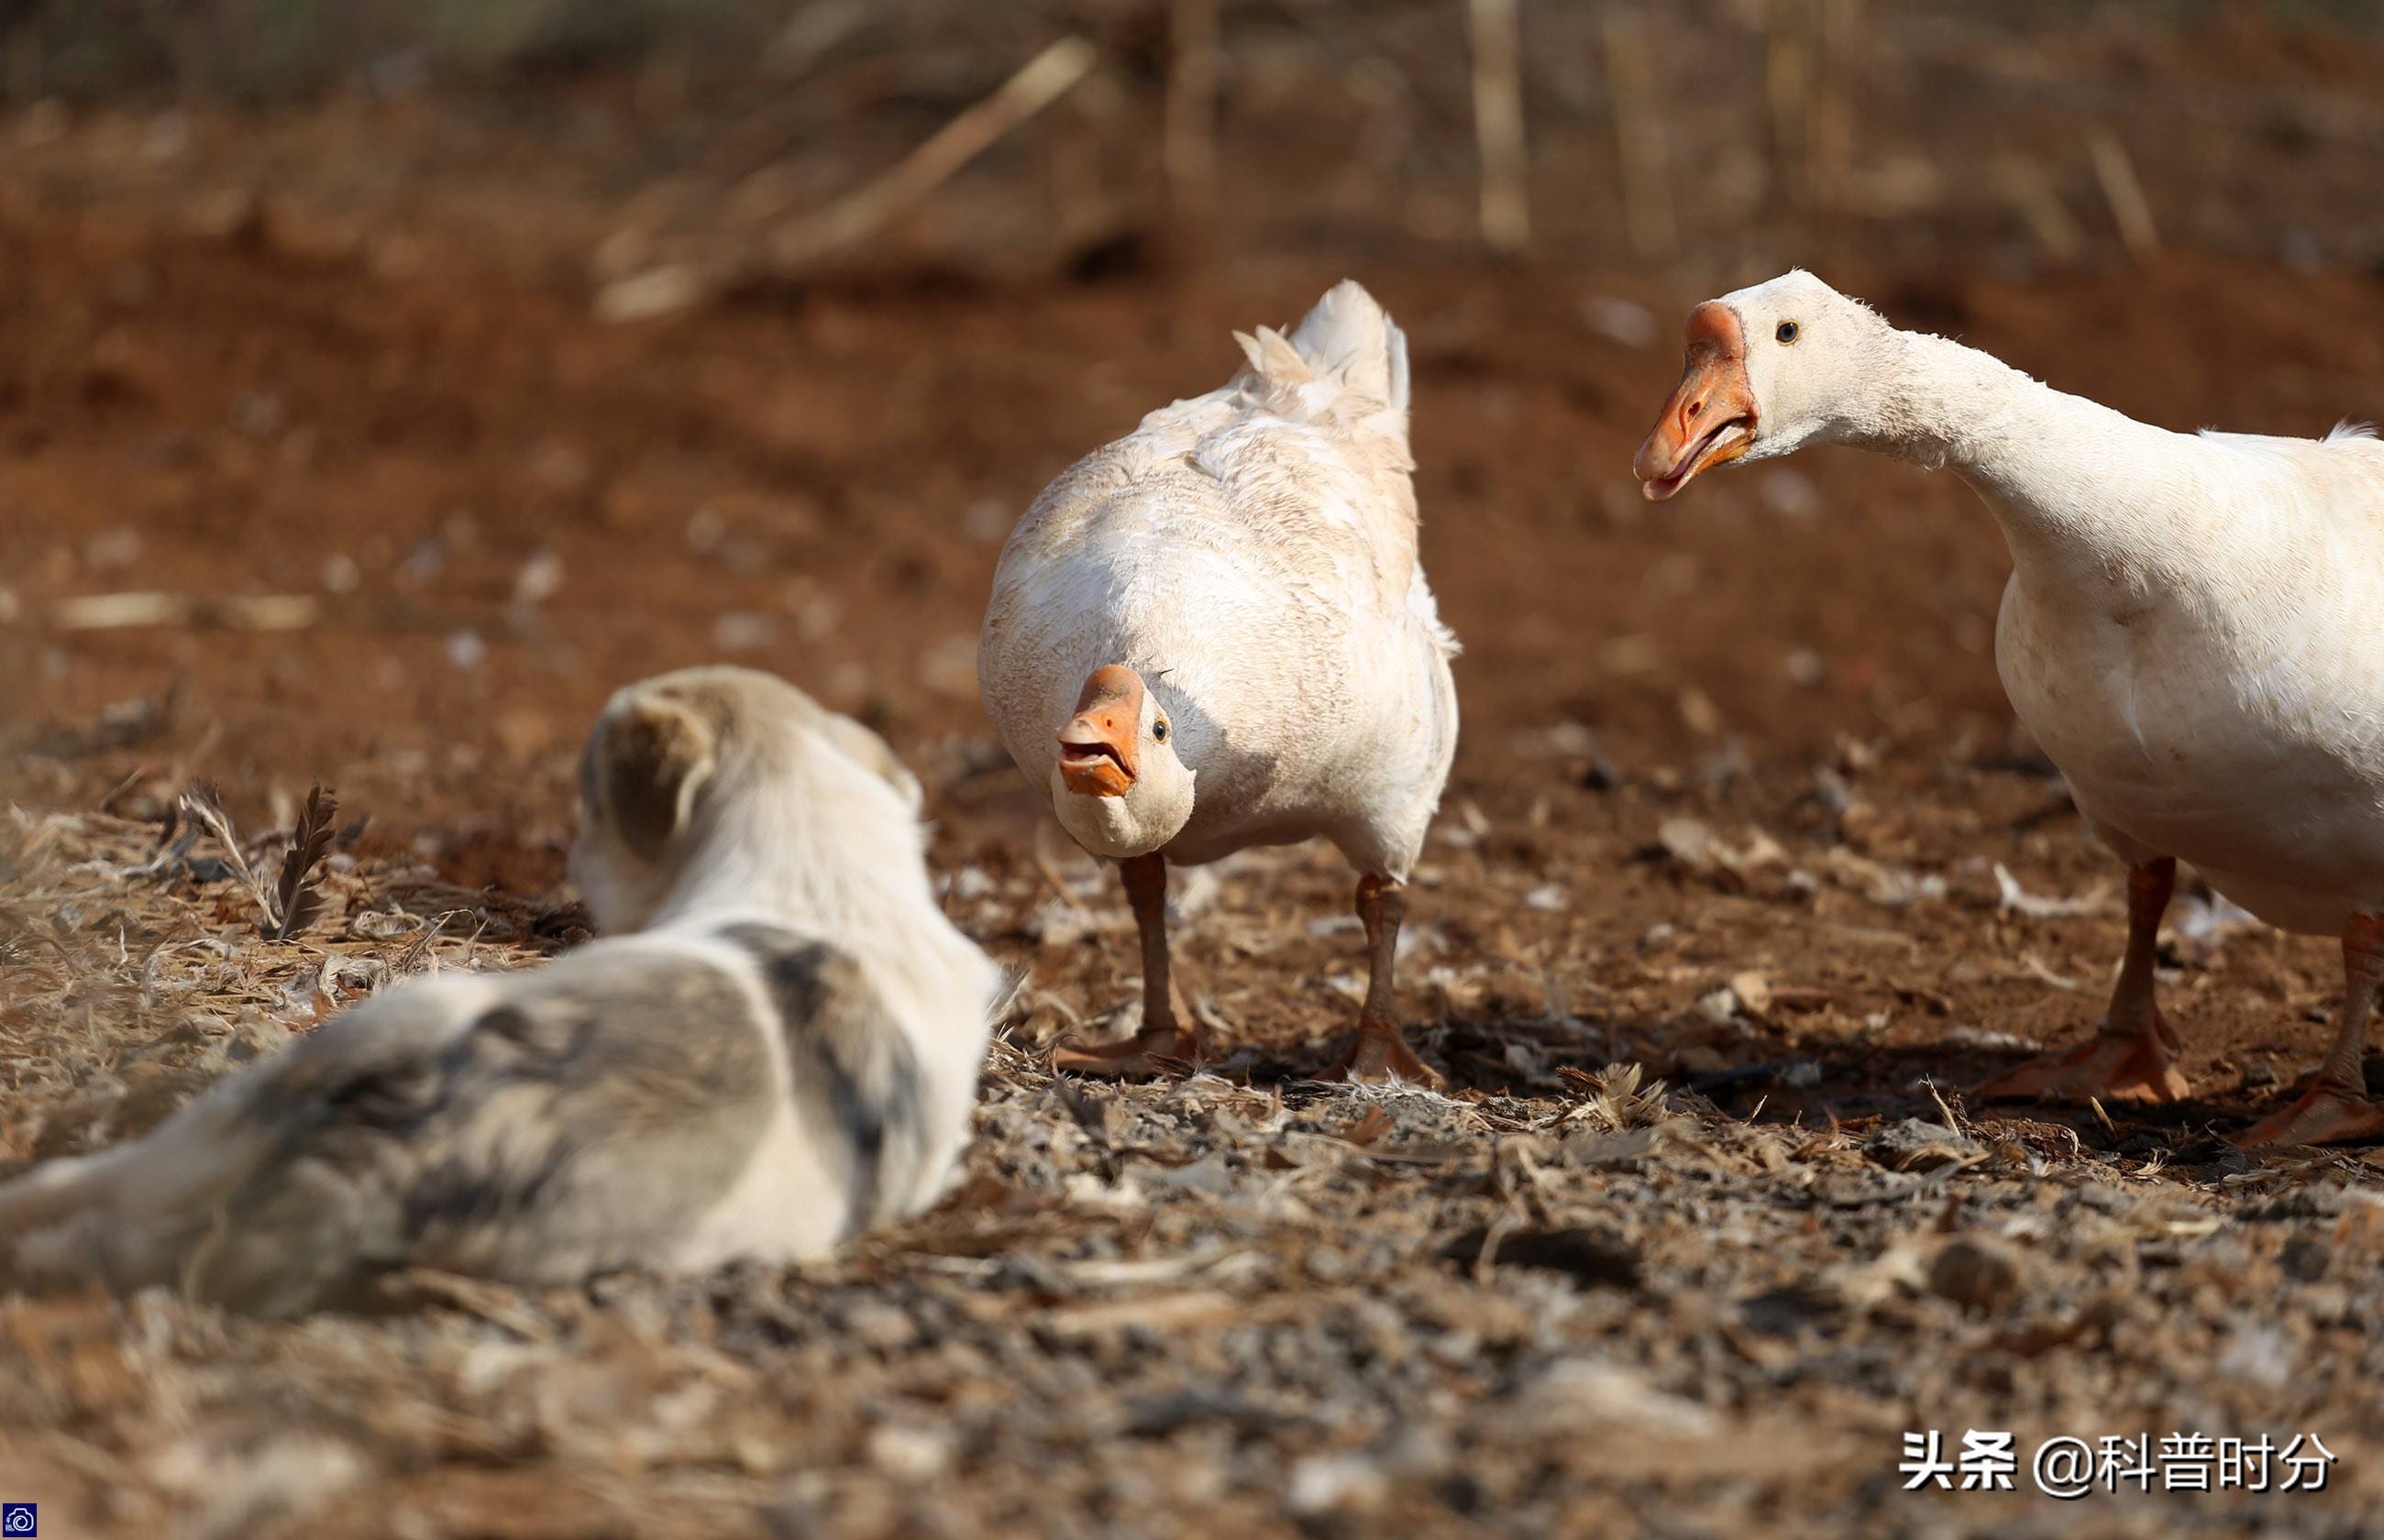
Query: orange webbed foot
x,y
1160,1052
1381,1054
2109,1066
2323,1114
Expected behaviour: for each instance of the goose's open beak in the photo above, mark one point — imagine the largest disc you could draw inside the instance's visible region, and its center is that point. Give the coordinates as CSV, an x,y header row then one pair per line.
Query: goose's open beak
x,y
1711,417
1099,747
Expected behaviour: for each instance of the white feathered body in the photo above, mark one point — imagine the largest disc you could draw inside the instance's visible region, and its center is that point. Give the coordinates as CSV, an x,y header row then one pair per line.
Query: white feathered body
x,y
1251,553
2194,626
2211,679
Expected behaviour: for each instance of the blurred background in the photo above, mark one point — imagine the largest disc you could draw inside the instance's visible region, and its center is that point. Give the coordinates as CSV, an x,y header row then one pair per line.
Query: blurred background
x,y
383,383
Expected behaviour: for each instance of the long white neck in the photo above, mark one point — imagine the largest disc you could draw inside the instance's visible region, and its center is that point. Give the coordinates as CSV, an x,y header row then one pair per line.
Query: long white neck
x,y
2085,494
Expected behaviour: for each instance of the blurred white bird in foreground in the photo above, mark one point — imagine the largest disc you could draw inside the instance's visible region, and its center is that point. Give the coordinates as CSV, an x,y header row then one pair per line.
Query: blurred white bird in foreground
x,y
785,1053
1214,634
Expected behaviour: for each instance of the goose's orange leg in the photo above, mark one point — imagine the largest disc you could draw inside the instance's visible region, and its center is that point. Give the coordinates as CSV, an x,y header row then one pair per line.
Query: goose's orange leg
x,y
1381,1050
2334,1108
1161,1047
2133,1057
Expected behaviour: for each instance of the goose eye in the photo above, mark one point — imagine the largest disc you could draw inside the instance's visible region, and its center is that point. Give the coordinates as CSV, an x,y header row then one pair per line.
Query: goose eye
x,y
1787,332
1159,729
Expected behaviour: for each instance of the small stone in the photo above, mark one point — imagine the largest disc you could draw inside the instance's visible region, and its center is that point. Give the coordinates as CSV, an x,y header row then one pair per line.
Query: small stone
x,y
1698,712
1323,1484
910,1453
539,579
2259,1354
1686,840
1786,492
1718,1006
1627,322
1916,1145
881,1325
1697,1060
743,630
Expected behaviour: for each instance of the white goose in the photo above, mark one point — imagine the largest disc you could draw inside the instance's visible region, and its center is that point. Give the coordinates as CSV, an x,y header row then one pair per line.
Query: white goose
x,y
2190,632
786,1053
1214,634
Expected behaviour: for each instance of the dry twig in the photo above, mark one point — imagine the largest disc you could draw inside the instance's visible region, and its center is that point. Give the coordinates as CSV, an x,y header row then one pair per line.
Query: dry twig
x,y
259,612
2131,210
1498,124
1189,149
796,247
202,806
1639,136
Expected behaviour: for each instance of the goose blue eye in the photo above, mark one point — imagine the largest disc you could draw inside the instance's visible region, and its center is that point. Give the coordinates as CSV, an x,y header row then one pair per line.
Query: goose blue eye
x,y
1787,332
1158,730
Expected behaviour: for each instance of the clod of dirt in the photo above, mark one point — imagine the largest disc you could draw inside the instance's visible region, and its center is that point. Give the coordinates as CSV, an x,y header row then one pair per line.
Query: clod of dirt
x,y
2306,1257
1916,1145
1583,1255
1785,1310
1980,1275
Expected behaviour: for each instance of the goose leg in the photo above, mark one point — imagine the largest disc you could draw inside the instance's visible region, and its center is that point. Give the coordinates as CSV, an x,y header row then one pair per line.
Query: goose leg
x,y
2133,1058
2336,1107
1161,1047
1381,1052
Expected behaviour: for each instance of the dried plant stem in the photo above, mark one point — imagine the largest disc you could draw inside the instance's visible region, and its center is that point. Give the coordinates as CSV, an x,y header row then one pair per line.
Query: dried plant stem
x,y
789,251
1189,148
2026,186
1787,93
202,806
262,612
1498,124
1042,80
2131,210
1829,132
1639,137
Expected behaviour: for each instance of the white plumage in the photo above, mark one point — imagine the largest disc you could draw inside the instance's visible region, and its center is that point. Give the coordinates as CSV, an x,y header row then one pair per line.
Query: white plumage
x,y
1241,570
2189,632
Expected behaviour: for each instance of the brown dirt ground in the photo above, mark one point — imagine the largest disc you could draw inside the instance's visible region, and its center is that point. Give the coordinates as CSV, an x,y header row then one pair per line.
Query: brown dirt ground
x,y
1725,746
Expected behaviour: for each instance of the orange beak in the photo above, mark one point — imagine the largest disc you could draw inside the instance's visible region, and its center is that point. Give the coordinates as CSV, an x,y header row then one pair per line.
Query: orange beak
x,y
1710,419
1099,748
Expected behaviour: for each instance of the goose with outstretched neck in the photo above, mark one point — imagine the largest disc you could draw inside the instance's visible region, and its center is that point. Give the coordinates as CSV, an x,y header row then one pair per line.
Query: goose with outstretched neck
x,y
2189,632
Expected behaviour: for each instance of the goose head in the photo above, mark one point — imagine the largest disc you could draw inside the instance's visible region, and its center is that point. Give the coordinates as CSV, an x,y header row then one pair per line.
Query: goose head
x,y
1118,787
1769,370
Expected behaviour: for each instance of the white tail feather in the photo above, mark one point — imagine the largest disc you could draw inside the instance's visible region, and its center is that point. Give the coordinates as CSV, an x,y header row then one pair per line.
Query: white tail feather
x,y
1272,355
1349,336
